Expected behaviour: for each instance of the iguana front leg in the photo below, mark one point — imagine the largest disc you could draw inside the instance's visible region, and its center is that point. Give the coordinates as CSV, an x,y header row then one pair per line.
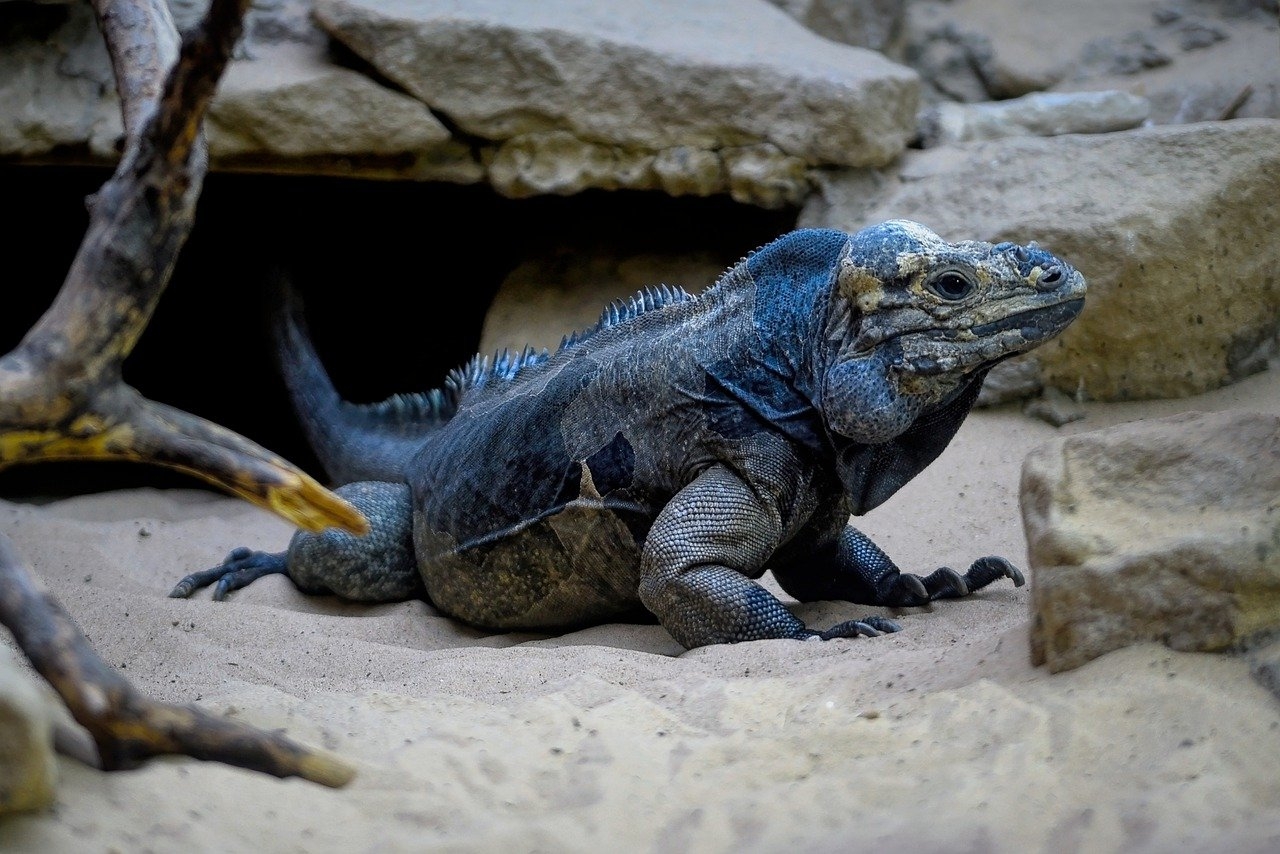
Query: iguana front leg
x,y
856,570
699,561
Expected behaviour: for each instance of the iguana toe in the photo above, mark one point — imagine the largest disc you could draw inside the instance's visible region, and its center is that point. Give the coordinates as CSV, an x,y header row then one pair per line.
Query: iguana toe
x,y
988,569
946,583
240,568
868,627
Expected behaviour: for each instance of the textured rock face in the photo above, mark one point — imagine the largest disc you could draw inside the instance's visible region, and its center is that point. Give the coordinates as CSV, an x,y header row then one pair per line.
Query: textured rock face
x,y
604,90
1184,294
875,24
1037,114
701,97
1196,61
1164,530
27,768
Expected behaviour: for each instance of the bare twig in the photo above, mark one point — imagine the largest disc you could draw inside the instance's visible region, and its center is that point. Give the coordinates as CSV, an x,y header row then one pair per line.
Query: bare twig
x,y
62,396
127,727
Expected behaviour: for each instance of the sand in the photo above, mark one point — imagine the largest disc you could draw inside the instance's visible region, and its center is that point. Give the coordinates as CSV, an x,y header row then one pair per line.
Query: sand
x,y
940,738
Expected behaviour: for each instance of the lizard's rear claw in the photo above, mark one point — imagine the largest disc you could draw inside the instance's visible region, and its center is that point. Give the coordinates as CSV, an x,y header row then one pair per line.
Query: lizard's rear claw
x,y
946,583
987,569
240,568
982,572
868,627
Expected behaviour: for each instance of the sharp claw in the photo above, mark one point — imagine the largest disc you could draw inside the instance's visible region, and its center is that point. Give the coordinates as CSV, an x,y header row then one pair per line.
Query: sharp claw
x,y
959,586
914,586
870,627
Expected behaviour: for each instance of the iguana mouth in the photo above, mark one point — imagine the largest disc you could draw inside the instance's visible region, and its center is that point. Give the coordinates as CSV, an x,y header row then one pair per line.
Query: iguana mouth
x,y
1034,323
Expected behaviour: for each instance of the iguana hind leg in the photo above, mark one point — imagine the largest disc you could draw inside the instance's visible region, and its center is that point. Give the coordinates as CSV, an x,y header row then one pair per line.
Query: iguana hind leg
x,y
376,567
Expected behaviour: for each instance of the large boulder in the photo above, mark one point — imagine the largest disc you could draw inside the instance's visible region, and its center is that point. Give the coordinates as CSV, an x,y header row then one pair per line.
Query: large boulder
x,y
1162,530
699,97
1174,227
643,95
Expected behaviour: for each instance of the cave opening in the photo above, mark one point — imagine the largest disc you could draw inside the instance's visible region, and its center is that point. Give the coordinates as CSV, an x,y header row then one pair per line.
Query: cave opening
x,y
397,278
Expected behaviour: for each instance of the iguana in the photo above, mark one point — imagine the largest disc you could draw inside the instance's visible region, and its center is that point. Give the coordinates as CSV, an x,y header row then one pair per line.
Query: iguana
x,y
667,457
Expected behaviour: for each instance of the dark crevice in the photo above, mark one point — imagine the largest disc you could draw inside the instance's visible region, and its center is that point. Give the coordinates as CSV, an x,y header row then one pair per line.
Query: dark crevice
x,y
397,278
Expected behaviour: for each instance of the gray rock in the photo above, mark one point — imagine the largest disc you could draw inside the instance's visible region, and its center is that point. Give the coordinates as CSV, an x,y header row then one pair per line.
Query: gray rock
x,y
1173,226
572,94
289,106
874,24
978,52
1037,114
28,771
1163,530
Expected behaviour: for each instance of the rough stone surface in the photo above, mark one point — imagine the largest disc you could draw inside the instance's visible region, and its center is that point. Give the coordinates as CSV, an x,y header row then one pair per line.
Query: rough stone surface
x,y
1162,530
28,772
1184,294
1192,60
874,24
1037,114
576,94
290,106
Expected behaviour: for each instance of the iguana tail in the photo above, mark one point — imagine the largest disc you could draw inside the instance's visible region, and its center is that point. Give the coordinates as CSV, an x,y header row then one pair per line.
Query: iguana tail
x,y
352,441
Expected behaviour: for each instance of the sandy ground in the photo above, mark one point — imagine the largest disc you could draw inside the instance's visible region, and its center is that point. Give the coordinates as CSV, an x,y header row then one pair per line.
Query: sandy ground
x,y
940,738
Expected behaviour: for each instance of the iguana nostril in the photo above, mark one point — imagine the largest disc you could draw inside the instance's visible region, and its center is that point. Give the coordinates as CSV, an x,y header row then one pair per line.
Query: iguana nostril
x,y
1051,276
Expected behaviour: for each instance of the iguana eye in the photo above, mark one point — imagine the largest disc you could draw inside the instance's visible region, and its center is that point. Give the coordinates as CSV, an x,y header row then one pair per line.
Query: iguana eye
x,y
951,285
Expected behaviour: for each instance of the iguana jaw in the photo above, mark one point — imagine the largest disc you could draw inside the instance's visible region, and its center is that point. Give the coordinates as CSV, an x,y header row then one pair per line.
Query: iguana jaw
x,y
934,352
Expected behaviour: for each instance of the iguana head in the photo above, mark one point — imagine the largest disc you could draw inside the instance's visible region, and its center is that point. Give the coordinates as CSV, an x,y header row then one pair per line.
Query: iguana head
x,y
925,315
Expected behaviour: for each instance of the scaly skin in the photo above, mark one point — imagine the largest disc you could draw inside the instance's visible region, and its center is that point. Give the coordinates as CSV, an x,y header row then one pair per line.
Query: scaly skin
x,y
666,458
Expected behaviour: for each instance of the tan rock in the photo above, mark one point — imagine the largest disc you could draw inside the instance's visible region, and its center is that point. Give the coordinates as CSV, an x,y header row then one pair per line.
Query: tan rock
x,y
28,772
1163,530
639,79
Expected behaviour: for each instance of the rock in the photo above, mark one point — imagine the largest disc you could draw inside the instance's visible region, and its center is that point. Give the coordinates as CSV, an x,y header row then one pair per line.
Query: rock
x,y
56,88
1013,379
1054,407
1174,227
287,105
1163,530
1264,663
573,94
1037,114
28,771
1190,67
874,24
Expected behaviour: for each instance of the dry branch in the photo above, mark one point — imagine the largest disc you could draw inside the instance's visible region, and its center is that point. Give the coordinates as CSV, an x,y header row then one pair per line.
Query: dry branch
x,y
127,727
62,396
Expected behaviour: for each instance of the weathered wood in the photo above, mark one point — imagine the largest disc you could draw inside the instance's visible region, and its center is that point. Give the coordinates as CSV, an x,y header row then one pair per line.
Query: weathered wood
x,y
127,727
62,396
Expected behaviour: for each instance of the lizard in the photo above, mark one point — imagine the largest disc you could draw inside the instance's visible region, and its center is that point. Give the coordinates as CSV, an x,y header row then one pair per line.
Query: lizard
x,y
659,463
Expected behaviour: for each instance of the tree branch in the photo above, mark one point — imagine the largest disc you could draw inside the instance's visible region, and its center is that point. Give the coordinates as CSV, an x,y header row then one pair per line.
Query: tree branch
x,y
127,727
62,396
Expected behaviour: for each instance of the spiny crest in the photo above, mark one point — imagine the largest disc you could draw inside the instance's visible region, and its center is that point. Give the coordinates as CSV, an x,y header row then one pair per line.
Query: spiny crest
x,y
439,405
424,407
620,310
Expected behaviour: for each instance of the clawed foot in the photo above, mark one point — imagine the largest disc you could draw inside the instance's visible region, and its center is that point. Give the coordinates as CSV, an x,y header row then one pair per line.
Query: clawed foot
x,y
241,568
868,627
946,583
